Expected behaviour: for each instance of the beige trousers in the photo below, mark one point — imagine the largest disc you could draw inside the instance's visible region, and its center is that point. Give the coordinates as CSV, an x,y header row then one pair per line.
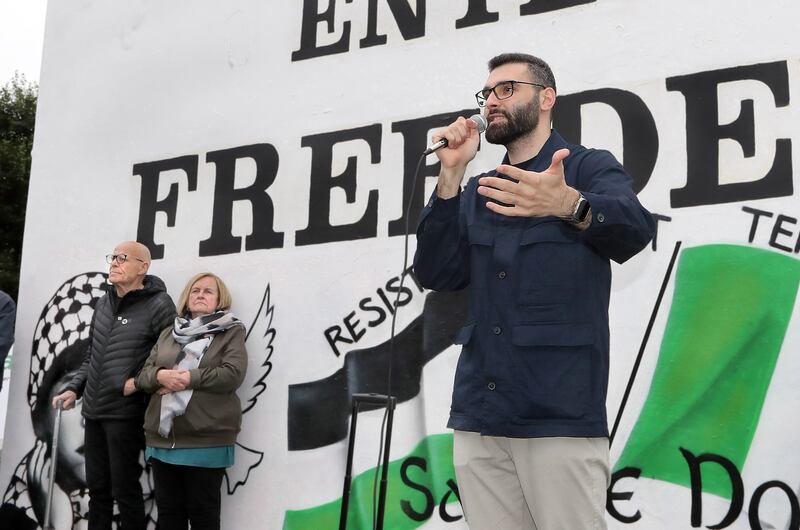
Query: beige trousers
x,y
532,483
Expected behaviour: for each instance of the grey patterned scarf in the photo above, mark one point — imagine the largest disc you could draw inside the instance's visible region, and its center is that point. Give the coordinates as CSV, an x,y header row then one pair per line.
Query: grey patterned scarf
x,y
195,337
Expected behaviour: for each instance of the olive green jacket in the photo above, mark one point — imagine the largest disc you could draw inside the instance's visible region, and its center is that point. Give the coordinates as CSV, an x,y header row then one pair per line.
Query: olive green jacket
x,y
213,417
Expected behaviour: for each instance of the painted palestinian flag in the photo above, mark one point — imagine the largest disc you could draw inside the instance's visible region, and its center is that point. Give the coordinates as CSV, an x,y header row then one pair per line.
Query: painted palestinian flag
x,y
421,481
418,484
714,416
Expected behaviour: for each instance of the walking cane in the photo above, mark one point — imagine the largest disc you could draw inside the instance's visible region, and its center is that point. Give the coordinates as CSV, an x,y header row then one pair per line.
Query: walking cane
x,y
53,464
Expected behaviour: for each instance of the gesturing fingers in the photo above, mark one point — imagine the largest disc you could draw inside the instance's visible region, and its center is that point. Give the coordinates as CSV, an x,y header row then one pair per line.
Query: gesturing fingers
x,y
519,175
511,211
506,197
520,192
499,183
527,193
557,163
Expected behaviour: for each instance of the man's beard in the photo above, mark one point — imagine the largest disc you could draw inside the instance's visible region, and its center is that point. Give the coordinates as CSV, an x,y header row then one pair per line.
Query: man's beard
x,y
519,122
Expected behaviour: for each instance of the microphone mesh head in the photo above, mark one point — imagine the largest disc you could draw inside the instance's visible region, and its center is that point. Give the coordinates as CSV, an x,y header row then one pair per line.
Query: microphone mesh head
x,y
480,120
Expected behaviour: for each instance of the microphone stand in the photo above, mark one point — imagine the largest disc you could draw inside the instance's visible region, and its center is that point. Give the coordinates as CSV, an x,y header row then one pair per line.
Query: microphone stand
x,y
388,401
375,399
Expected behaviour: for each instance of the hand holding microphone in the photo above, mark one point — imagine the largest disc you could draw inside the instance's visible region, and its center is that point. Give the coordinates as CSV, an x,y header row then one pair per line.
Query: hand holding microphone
x,y
461,139
460,130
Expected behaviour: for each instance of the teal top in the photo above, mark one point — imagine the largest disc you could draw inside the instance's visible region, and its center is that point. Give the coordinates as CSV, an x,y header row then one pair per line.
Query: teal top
x,y
197,457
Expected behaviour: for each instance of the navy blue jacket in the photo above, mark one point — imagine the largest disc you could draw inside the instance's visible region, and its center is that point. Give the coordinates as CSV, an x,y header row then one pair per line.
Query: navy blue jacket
x,y
534,360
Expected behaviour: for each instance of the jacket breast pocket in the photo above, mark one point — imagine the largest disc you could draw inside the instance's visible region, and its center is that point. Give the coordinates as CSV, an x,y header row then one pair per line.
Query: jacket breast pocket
x,y
549,256
480,236
555,368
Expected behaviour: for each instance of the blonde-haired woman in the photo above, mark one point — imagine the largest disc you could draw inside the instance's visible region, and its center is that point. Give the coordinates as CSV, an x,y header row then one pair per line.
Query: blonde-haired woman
x,y
194,413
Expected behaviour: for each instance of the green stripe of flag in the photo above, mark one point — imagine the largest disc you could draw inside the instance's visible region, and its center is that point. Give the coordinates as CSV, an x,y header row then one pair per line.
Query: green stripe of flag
x,y
437,453
730,311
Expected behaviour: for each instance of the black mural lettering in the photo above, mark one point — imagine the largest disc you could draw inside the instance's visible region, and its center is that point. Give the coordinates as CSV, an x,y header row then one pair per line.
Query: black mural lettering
x,y
410,22
415,139
703,133
263,235
477,14
351,322
410,273
534,7
364,305
402,294
755,502
639,133
411,25
779,230
320,229
148,200
386,301
429,502
627,472
334,334
737,487
754,225
658,218
640,148
308,31
443,514
351,327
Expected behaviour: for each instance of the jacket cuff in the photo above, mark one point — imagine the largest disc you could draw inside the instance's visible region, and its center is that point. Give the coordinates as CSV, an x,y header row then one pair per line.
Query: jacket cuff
x,y
600,207
70,387
444,208
194,378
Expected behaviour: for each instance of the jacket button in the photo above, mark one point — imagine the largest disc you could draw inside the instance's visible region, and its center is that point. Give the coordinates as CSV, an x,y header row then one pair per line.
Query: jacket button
x,y
601,217
491,385
497,330
501,275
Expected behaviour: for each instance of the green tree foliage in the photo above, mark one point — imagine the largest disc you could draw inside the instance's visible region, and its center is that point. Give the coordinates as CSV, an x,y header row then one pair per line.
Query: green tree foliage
x,y
17,117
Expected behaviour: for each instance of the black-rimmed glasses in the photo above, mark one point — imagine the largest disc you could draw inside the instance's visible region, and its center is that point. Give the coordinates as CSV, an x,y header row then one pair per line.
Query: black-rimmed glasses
x,y
119,258
502,90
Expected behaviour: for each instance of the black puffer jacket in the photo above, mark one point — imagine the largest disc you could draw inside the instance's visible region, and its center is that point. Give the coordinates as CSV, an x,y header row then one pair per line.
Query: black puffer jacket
x,y
122,334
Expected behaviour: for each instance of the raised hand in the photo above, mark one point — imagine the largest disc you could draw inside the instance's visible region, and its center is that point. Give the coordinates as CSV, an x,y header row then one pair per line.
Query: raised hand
x,y
463,140
531,193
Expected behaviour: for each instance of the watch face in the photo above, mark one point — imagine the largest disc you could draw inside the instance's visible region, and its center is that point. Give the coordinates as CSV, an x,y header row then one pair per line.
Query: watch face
x,y
582,210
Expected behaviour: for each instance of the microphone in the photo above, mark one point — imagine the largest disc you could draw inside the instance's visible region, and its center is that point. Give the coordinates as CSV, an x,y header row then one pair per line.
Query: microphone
x,y
479,120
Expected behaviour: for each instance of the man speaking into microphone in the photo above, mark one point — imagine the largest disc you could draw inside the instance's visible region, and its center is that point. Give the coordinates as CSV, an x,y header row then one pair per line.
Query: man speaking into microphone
x,y
532,239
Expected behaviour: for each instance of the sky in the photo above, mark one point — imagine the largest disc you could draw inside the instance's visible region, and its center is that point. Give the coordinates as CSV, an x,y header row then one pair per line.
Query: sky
x,y
21,38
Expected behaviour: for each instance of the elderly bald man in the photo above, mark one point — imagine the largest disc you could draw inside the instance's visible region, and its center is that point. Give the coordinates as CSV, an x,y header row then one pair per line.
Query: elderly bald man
x,y
126,323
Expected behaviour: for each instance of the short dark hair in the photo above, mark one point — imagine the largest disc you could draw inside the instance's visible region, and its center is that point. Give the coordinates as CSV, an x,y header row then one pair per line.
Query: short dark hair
x,y
539,69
